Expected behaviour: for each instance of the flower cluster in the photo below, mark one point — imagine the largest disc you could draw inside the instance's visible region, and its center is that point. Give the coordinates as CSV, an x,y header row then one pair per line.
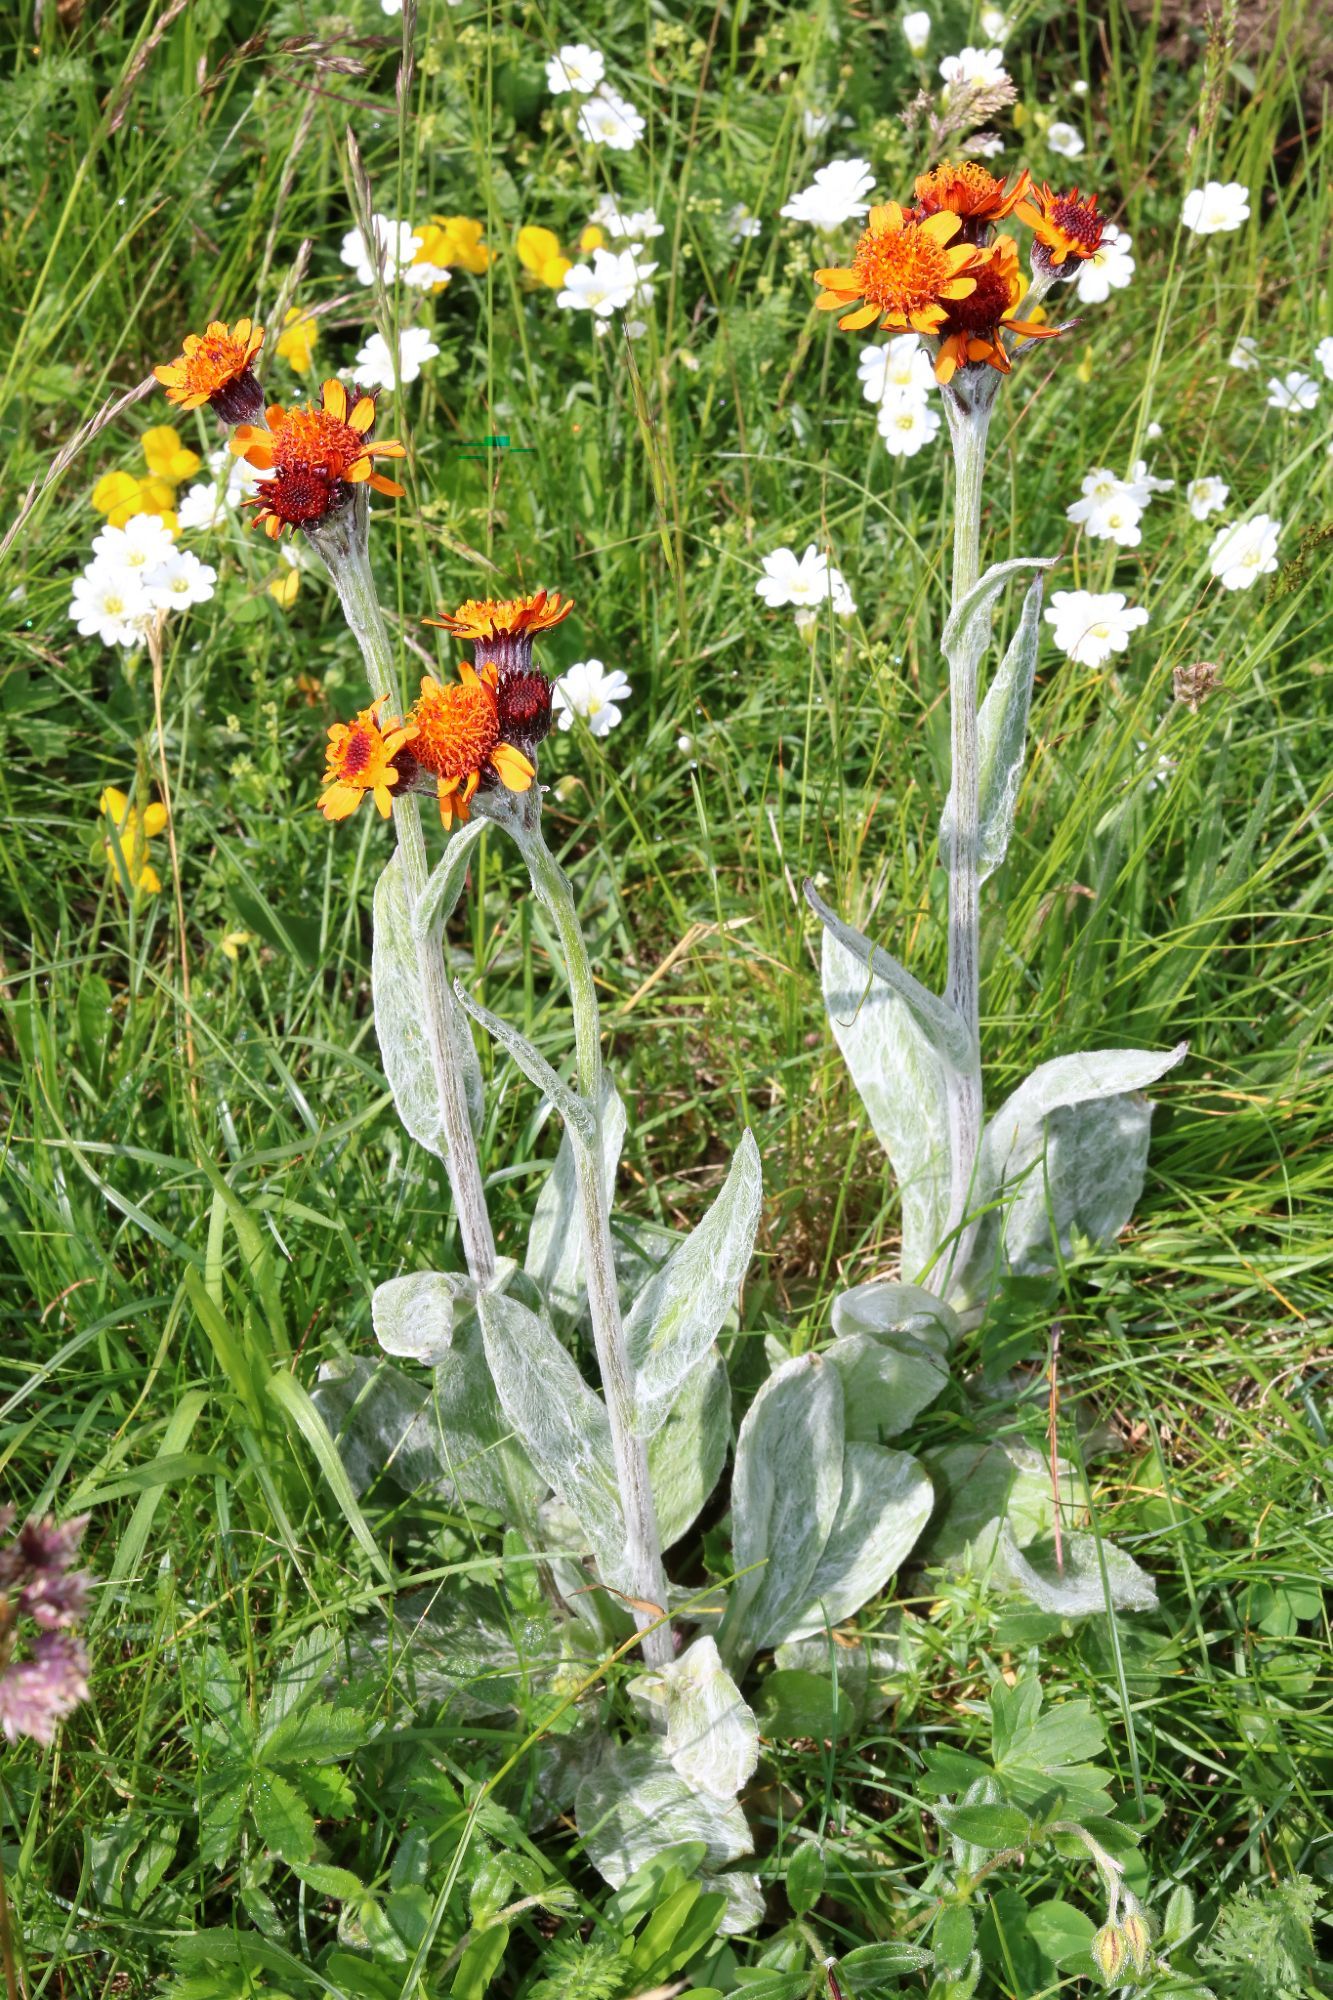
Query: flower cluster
x,y
136,574
39,1584
939,270
459,737
1112,508
604,117
316,454
124,841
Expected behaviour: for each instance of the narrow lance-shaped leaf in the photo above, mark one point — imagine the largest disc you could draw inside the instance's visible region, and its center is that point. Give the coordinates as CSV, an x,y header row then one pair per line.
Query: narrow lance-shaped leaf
x,y
578,1115
968,626
678,1314
555,1240
901,1081
785,1488
1070,1147
562,1422
444,886
1002,740
400,1011
939,1021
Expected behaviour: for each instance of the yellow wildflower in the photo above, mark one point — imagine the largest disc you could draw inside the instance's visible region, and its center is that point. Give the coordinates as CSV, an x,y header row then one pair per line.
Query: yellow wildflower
x,y
540,255
112,491
282,589
296,342
124,839
120,496
460,243
166,457
230,945
592,238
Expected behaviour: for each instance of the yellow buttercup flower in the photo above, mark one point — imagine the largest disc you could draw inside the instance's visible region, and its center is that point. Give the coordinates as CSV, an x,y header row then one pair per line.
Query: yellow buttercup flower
x,y
540,255
124,838
296,342
120,496
166,457
461,243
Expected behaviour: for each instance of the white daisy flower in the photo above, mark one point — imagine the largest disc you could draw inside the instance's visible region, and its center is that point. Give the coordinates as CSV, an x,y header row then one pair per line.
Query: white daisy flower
x,y
994,24
1244,551
1216,207
1206,496
844,604
1109,269
575,67
608,119
636,223
590,690
201,507
1090,625
975,66
1323,354
741,225
607,285
1292,391
836,194
180,581
1245,354
138,546
898,370
393,247
1111,517
1066,140
906,426
815,123
374,367
789,579
110,604
916,31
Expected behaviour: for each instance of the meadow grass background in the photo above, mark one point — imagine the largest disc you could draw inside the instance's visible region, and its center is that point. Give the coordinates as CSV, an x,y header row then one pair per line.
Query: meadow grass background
x,y
160,171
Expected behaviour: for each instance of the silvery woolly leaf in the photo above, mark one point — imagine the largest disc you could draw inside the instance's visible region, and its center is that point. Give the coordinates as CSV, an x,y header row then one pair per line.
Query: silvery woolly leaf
x,y
414,1315
979,1485
938,1020
636,1803
745,1909
400,1010
968,626
710,1733
555,1241
901,1081
785,1488
380,1421
444,885
678,1314
561,1422
1001,741
687,1454
484,1459
578,1116
1076,1588
886,1502
885,1306
1070,1149
885,1383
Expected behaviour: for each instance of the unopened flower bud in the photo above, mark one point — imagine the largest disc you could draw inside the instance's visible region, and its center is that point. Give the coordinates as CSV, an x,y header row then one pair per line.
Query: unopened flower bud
x,y
1110,1953
1138,1940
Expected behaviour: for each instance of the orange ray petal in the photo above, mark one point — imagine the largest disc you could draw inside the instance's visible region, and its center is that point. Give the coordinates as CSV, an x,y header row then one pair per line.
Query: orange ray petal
x,y
861,317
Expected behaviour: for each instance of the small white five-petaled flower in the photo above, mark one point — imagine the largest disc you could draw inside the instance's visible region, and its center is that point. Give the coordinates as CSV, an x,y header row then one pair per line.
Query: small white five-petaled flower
x,y
1245,551
591,690
1090,625
1216,207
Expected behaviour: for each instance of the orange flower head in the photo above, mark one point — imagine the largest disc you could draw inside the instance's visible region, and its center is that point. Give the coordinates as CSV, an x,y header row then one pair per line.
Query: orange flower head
x,y
298,496
1064,225
214,367
908,270
964,188
976,325
458,740
330,439
361,759
490,621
